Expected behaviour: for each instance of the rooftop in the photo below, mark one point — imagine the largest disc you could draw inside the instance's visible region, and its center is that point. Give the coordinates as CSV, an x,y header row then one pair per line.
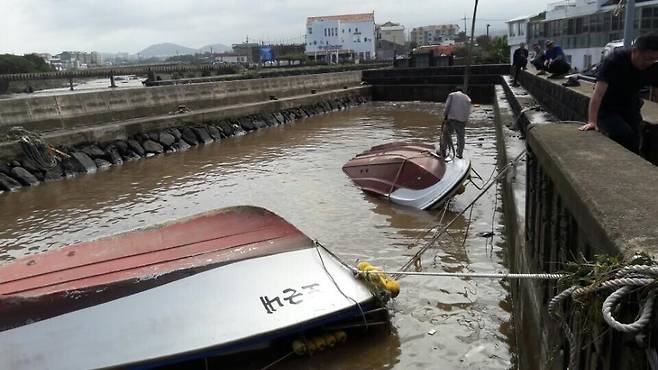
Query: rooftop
x,y
363,17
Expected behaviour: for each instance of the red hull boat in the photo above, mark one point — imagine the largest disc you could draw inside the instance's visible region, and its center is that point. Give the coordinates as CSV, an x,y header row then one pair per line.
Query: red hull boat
x,y
408,173
222,282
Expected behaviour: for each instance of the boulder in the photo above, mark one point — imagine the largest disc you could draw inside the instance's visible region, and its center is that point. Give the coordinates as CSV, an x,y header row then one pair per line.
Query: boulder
x,y
121,145
24,176
166,139
155,136
79,162
175,132
93,151
214,132
202,134
4,168
152,147
131,156
102,164
227,128
189,136
7,183
181,145
136,147
54,173
238,131
113,154
247,124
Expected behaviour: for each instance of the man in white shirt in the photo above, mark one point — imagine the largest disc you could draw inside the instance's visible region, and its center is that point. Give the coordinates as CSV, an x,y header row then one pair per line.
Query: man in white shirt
x,y
455,116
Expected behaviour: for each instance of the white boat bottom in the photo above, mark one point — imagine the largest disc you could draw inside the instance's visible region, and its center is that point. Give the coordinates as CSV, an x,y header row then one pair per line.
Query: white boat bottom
x,y
456,171
221,306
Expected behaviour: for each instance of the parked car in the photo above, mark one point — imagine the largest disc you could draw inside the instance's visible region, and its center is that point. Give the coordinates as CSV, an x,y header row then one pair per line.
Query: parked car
x,y
610,47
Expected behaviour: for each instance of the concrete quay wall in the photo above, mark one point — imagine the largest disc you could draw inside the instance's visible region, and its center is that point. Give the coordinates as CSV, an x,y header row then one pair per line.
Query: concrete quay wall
x,y
51,113
577,194
90,149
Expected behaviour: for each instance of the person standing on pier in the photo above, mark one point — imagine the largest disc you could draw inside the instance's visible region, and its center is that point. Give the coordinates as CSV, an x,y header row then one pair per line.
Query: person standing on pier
x,y
615,105
519,61
455,116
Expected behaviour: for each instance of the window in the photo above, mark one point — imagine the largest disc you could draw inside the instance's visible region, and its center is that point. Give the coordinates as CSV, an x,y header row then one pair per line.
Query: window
x,y
349,30
587,61
310,31
325,32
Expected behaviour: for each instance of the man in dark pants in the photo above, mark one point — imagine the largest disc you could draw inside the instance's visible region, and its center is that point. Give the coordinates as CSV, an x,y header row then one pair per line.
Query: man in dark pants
x,y
519,61
555,62
614,108
539,58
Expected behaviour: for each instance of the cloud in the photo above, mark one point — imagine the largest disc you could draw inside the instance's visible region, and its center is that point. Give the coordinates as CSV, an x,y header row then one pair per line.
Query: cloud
x,y
131,25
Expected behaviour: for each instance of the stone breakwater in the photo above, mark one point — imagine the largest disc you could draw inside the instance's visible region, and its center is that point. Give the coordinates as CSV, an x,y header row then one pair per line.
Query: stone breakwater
x,y
91,157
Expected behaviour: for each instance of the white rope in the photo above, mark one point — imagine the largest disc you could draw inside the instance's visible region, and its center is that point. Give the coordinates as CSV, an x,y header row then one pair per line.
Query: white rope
x,y
471,275
624,281
611,303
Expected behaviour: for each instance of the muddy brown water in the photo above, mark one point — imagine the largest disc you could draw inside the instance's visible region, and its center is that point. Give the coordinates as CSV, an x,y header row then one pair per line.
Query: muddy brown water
x,y
295,171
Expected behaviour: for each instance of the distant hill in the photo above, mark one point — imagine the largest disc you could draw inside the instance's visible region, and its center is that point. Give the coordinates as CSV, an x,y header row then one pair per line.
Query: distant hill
x,y
165,50
216,48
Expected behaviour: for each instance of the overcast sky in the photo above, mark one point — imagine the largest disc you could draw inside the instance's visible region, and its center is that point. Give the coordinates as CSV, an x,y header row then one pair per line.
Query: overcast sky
x,y
131,25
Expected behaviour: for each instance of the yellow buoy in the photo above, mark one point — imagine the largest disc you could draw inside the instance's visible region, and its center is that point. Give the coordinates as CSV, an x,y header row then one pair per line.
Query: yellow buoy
x,y
393,286
341,336
330,339
320,344
299,347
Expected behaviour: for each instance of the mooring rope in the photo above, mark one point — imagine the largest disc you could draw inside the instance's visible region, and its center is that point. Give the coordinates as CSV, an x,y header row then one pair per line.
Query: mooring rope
x,y
472,275
415,259
625,281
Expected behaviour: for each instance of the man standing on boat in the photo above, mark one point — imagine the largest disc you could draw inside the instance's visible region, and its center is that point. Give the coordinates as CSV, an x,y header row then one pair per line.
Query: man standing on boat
x,y
614,108
455,116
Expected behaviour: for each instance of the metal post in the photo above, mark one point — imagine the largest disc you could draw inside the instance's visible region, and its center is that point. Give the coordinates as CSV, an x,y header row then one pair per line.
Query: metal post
x,y
629,21
112,84
470,49
71,83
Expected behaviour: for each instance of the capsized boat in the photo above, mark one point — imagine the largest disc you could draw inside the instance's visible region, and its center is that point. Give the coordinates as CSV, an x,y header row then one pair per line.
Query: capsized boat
x,y
408,173
216,283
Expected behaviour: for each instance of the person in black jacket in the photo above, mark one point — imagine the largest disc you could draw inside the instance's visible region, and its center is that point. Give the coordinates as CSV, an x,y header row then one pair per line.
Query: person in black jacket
x,y
615,105
519,61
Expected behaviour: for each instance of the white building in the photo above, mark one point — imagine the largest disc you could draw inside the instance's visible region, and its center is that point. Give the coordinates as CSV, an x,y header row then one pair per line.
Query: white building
x,y
439,34
336,37
391,32
517,32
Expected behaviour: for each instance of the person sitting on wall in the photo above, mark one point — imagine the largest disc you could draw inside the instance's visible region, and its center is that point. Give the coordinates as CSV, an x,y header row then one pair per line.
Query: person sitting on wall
x,y
615,105
555,62
455,115
539,57
519,61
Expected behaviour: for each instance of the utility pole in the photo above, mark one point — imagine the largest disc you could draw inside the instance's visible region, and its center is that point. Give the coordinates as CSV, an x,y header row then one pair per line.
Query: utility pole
x,y
488,25
470,49
464,19
629,20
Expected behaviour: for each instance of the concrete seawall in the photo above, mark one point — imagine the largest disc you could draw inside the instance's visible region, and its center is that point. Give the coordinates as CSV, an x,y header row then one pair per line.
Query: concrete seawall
x,y
578,195
96,130
51,113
